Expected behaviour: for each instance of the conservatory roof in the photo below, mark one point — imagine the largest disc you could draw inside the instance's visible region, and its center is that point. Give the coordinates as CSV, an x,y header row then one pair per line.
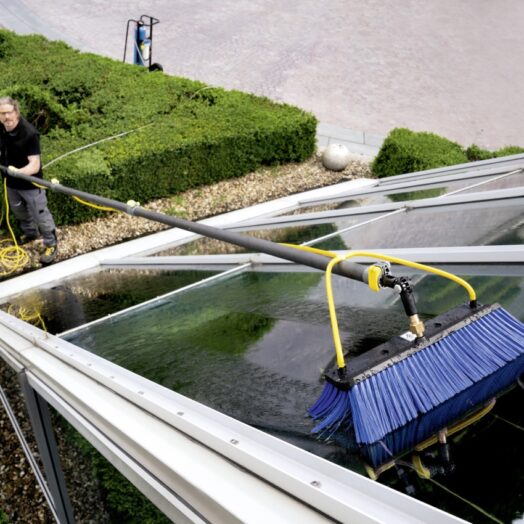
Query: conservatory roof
x,y
467,219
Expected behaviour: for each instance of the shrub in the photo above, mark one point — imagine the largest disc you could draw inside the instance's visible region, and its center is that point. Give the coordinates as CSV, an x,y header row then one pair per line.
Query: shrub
x,y
509,150
405,151
183,133
474,153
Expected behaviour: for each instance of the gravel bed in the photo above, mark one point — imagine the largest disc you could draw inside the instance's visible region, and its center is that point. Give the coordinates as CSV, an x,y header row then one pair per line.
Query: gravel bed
x,y
20,497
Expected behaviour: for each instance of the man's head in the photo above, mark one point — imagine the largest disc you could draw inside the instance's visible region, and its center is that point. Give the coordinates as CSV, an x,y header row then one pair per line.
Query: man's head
x,y
9,113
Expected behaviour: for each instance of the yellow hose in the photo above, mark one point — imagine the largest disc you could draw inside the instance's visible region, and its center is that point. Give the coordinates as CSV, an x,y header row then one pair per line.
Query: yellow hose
x,y
329,289
89,204
31,315
12,257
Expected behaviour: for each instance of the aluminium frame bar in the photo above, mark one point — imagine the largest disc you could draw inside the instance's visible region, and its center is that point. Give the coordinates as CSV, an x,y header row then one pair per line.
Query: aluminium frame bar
x,y
39,477
223,468
40,418
496,197
410,185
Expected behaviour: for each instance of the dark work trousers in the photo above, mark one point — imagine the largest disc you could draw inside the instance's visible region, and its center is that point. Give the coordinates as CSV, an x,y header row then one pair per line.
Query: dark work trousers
x,y
30,209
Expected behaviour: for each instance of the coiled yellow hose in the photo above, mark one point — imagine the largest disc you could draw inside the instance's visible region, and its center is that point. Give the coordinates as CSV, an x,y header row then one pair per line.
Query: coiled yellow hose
x,y
12,257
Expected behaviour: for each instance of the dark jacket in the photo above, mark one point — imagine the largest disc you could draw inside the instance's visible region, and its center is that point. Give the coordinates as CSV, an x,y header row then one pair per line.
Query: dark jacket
x,y
15,147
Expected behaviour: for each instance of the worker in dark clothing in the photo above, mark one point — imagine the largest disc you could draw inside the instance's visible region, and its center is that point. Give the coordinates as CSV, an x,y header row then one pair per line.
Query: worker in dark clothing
x,y
20,151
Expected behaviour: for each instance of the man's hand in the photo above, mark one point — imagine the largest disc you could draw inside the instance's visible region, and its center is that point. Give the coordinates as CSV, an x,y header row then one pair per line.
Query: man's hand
x,y
12,169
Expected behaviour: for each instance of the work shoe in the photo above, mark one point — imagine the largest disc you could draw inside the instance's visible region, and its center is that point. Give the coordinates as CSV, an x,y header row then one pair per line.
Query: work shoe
x,y
49,254
25,239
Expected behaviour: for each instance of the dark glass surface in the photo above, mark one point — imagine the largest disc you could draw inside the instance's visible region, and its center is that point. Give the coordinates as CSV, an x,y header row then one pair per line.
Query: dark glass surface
x,y
84,298
254,345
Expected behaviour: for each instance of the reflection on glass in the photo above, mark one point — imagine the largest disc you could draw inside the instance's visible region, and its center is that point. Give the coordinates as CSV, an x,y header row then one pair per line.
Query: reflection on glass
x,y
418,195
289,235
255,345
79,300
512,235
434,227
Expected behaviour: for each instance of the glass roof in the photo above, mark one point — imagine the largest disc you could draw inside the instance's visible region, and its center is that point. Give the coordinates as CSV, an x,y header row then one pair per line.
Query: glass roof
x,y
383,195
254,341
254,346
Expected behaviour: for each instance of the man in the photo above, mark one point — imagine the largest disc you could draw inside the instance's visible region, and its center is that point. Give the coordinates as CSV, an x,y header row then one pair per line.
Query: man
x,y
20,151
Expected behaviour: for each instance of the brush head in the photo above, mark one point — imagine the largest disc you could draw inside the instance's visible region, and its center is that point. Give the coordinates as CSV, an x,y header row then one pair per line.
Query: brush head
x,y
399,381
402,346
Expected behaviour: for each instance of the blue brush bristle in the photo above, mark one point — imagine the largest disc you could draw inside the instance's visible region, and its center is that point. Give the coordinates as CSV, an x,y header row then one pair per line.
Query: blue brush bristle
x,y
426,379
333,410
418,430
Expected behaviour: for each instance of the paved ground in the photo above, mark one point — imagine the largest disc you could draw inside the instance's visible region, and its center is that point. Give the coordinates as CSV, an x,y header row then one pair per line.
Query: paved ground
x,y
453,67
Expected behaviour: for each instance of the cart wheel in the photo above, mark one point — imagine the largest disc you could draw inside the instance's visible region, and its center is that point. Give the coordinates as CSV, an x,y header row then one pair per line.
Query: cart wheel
x,y
156,67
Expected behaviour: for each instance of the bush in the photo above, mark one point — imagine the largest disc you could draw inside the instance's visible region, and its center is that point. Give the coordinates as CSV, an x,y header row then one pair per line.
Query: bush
x,y
405,151
182,133
475,153
509,150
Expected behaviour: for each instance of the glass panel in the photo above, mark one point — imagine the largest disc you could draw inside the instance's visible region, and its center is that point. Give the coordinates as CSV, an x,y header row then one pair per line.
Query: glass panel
x,y
384,197
460,225
466,224
254,346
515,180
291,235
76,301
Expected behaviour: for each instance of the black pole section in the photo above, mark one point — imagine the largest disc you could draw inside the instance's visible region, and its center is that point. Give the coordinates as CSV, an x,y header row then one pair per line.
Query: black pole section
x,y
348,269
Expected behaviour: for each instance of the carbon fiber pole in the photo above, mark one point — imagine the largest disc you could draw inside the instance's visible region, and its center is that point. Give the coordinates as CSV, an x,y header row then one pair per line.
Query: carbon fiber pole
x,y
348,269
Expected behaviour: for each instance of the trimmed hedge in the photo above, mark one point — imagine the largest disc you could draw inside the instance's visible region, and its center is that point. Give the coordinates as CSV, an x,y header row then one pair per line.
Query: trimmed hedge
x,y
406,151
474,152
183,133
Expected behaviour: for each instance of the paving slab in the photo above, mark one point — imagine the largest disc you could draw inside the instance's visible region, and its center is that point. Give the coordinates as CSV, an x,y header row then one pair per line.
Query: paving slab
x,y
452,67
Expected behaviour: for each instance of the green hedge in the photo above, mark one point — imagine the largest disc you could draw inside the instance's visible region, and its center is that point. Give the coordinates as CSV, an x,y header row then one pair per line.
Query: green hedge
x,y
184,133
406,151
474,152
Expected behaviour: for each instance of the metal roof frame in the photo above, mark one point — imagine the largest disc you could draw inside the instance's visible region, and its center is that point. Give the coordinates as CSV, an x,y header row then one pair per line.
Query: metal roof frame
x,y
194,463
381,187
169,445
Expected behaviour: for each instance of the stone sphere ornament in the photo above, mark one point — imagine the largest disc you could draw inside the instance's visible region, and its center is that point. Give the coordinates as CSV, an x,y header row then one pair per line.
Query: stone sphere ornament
x,y
335,157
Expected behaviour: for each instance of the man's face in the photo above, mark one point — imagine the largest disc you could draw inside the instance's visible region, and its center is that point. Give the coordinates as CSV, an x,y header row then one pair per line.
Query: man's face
x,y
8,117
